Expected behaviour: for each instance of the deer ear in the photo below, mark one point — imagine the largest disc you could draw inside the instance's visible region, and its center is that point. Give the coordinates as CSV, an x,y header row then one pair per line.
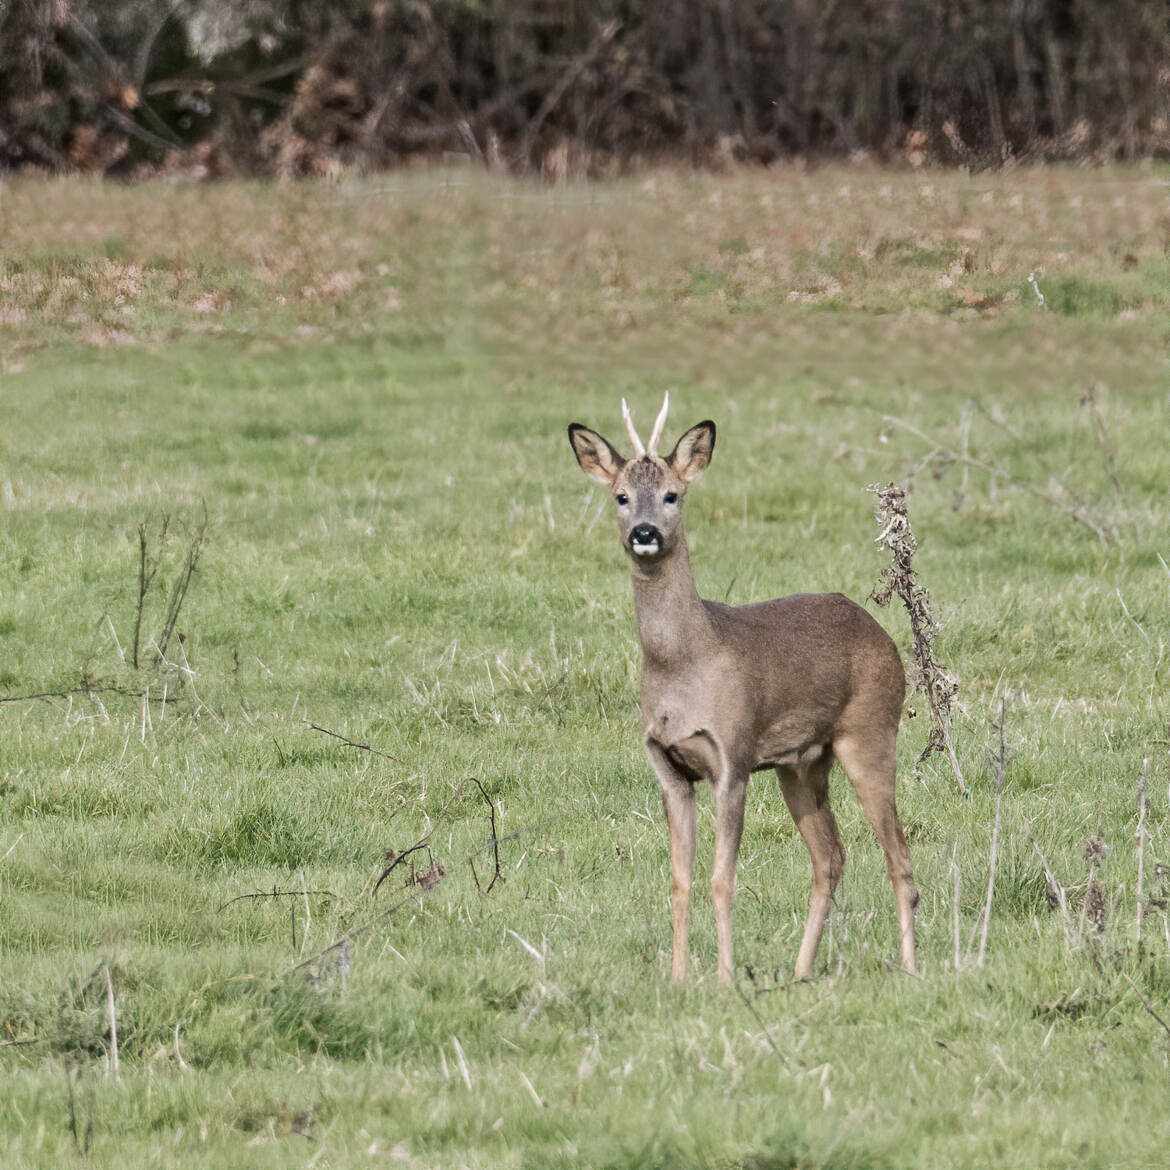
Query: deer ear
x,y
693,451
597,457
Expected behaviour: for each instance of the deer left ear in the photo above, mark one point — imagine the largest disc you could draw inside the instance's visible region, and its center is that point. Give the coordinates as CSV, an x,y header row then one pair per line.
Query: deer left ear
x,y
693,452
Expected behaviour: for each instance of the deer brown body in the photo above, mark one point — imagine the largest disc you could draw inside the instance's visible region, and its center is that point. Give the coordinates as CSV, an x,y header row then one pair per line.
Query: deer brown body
x,y
790,684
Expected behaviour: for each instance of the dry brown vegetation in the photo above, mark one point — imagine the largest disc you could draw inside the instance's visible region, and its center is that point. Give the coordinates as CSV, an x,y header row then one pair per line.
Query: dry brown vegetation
x,y
113,266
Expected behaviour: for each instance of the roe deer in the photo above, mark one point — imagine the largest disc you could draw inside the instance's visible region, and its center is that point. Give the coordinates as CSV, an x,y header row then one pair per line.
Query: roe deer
x,y
730,690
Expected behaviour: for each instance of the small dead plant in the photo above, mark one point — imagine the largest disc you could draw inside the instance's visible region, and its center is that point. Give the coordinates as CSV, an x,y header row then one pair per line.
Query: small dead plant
x,y
1094,906
937,683
148,566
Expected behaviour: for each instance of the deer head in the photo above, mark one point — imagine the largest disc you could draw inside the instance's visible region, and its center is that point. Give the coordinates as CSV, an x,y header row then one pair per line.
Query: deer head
x,y
648,489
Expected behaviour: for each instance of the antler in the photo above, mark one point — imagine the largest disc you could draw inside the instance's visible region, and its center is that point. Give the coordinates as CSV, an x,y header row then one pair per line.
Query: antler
x,y
639,450
659,423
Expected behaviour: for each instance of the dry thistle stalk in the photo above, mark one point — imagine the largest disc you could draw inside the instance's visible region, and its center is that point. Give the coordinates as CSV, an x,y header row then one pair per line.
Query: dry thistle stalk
x,y
935,681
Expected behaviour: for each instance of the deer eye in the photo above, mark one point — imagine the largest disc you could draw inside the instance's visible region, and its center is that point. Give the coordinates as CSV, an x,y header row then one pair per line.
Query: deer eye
x,y
670,498
622,498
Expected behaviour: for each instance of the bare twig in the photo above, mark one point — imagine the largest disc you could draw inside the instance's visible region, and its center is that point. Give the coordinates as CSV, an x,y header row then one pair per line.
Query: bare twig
x,y
397,859
277,894
1146,1003
937,683
113,1018
955,903
391,910
146,572
1104,440
85,687
346,939
751,1007
365,747
1056,492
495,838
182,584
8,851
82,1139
1140,836
999,766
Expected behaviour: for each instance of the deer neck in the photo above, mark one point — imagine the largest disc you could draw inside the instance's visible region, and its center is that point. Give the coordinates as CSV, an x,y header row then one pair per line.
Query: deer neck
x,y
673,625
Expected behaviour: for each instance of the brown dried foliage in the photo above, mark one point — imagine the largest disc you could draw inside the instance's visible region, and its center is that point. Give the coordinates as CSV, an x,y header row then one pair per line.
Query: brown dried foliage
x,y
937,683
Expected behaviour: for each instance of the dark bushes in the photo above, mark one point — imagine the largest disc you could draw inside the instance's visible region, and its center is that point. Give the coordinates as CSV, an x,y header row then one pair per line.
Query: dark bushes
x,y
306,86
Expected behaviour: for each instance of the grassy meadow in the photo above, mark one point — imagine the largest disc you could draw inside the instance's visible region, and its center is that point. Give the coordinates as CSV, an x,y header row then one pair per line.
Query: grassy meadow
x,y
358,393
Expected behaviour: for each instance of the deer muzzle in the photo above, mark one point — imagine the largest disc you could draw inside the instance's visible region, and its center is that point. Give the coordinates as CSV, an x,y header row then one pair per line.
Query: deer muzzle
x,y
645,540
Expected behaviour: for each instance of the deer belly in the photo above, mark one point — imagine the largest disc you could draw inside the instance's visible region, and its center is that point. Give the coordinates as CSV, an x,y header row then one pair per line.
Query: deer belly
x,y
790,747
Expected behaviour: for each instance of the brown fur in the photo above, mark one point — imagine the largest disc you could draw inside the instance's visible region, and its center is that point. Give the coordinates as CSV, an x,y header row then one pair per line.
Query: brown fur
x,y
727,690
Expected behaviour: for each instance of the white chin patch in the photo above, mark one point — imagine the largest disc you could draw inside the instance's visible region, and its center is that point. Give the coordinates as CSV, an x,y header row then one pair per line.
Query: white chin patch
x,y
645,550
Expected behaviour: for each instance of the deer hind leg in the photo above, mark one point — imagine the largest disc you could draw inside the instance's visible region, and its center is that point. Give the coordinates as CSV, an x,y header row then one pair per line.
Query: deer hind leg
x,y
678,802
806,792
871,765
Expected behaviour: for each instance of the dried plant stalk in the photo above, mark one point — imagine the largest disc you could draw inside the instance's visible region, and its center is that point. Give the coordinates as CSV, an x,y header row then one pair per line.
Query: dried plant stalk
x,y
938,684
112,1016
1140,835
955,904
1094,910
182,584
999,763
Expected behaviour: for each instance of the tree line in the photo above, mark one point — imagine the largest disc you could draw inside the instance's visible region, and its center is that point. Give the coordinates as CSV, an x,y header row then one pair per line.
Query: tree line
x,y
557,86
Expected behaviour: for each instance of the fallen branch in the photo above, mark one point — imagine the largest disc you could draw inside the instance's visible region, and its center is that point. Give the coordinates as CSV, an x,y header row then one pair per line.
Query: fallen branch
x,y
84,688
343,942
277,894
365,747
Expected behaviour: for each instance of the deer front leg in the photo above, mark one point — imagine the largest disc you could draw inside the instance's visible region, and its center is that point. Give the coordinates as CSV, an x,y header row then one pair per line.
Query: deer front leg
x,y
678,801
730,796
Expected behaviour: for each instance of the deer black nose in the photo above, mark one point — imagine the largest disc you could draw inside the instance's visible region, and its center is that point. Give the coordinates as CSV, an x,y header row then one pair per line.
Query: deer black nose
x,y
645,539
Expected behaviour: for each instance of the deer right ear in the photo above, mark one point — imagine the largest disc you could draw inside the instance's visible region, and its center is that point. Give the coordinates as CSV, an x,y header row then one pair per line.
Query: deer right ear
x,y
596,456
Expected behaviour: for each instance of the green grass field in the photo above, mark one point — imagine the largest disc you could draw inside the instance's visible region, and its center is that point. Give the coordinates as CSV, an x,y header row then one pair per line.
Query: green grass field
x,y
364,388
